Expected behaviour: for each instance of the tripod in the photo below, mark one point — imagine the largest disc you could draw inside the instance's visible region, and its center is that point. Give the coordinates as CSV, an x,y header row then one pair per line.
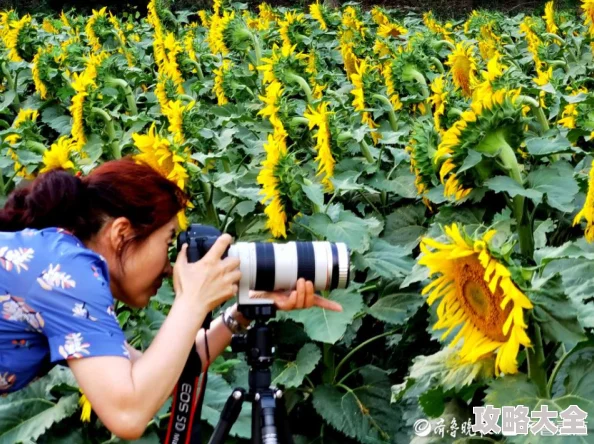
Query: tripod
x,y
269,416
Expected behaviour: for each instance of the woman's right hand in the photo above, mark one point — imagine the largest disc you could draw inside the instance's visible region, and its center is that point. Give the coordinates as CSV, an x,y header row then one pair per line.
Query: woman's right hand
x,y
210,281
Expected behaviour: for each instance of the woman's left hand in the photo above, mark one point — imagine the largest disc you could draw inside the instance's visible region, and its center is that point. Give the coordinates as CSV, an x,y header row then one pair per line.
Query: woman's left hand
x,y
302,297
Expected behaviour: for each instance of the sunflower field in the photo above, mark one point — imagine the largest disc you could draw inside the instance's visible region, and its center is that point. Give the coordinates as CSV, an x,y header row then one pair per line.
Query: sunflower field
x,y
452,157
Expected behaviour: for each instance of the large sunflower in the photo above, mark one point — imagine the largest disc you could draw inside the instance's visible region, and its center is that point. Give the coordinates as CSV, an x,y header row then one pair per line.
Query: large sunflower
x,y
462,65
477,296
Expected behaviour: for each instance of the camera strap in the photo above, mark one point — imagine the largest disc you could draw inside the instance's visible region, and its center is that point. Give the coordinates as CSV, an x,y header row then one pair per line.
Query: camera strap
x,y
187,400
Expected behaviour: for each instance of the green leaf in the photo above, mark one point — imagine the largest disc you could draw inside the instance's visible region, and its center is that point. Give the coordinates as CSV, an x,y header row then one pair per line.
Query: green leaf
x,y
348,228
508,185
62,125
291,374
165,295
555,312
557,182
28,157
576,387
542,146
472,159
363,413
325,325
387,260
246,207
24,420
396,308
8,99
216,395
405,226
314,192
225,138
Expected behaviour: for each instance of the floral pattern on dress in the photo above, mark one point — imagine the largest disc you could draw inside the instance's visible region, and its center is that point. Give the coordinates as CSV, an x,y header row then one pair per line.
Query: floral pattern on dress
x,y
80,311
53,277
7,380
74,347
111,312
15,309
16,258
125,351
20,343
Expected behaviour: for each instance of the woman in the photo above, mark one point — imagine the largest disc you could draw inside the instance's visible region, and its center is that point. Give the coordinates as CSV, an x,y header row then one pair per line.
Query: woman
x,y
68,247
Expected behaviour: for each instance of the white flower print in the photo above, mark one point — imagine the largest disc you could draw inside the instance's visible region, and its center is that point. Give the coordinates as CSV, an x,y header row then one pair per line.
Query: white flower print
x,y
125,351
80,311
74,347
16,258
53,277
111,312
7,380
15,309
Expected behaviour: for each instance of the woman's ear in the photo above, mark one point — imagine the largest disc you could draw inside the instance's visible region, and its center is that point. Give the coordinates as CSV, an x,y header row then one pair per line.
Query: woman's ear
x,y
119,231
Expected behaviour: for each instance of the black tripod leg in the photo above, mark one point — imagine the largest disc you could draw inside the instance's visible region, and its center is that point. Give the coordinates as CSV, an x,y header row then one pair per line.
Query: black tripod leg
x,y
282,420
228,417
264,419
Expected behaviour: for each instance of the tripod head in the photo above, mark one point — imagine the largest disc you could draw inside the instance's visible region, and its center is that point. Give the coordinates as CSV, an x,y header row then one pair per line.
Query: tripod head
x,y
258,345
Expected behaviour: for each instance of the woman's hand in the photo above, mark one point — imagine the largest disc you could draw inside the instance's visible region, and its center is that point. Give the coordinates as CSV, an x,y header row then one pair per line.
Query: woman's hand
x,y
302,297
210,281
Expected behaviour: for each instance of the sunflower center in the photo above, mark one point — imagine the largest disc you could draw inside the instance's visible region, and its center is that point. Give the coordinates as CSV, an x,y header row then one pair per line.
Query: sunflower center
x,y
478,302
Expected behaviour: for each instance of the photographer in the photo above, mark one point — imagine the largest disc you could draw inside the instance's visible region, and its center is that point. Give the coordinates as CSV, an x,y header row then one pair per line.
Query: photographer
x,y
70,245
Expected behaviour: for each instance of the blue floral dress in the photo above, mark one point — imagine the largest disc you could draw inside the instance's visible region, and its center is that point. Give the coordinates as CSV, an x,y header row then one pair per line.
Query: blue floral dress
x,y
55,304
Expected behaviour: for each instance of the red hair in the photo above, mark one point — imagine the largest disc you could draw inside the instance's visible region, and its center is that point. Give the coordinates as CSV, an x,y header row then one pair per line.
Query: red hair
x,y
119,188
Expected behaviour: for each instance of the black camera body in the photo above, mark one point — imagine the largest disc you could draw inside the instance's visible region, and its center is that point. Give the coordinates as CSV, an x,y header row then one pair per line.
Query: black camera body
x,y
200,239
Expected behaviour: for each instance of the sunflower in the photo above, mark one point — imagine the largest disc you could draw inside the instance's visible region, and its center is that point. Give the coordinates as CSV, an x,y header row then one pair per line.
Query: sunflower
x,y
587,212
11,38
550,18
291,24
218,88
478,296
319,117
277,218
438,100
493,126
588,8
422,147
35,72
58,155
360,79
156,152
85,404
462,65
94,41
174,111
316,12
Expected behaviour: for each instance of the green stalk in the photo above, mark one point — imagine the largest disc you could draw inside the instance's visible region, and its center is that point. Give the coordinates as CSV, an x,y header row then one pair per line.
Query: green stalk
x,y
292,77
357,348
328,374
535,358
437,45
198,68
366,152
438,64
555,36
257,48
211,212
296,121
116,149
391,114
36,147
556,371
2,185
560,63
420,78
120,83
11,83
186,97
536,111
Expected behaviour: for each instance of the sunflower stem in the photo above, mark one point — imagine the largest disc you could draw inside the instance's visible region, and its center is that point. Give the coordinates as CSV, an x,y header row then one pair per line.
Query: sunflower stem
x,y
365,151
536,111
555,36
437,46
257,49
438,64
556,371
115,147
127,92
36,147
561,63
391,114
198,68
11,84
292,77
357,348
535,357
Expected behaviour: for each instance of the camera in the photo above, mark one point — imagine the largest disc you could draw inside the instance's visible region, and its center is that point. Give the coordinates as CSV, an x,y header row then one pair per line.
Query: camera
x,y
267,266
